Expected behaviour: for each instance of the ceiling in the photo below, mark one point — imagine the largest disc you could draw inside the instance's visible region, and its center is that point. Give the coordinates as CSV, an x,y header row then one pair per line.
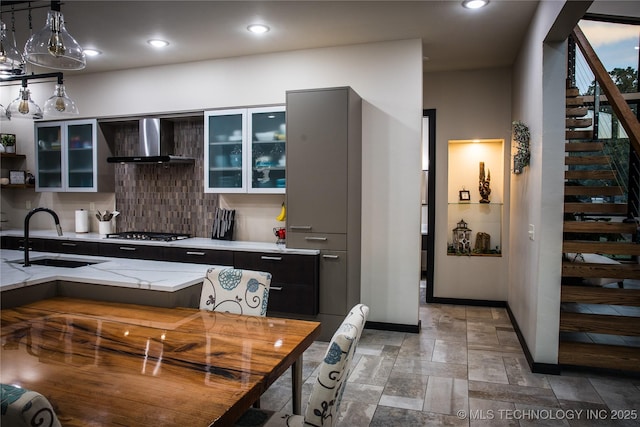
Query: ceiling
x,y
453,37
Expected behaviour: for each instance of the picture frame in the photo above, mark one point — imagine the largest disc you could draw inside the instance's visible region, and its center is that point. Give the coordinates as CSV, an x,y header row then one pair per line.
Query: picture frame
x,y
17,177
464,195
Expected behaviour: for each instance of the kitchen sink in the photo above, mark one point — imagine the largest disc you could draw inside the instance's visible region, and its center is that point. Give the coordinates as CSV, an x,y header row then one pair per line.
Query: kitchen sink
x,y
60,262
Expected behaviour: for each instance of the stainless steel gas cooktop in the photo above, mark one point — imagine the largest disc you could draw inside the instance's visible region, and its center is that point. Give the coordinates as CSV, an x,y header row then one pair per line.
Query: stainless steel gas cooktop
x,y
148,235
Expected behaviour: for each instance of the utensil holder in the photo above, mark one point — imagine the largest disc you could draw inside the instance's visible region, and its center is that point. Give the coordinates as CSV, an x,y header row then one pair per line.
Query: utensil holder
x,y
104,228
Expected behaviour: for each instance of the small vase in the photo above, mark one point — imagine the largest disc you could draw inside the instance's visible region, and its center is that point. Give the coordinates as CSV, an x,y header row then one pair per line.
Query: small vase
x,y
10,149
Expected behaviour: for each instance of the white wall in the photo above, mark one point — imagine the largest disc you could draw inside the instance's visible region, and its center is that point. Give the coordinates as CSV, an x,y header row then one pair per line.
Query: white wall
x,y
387,75
256,215
473,104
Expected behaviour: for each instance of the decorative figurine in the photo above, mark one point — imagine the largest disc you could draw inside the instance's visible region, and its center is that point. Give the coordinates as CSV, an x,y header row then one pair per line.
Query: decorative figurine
x,y
483,243
484,185
462,238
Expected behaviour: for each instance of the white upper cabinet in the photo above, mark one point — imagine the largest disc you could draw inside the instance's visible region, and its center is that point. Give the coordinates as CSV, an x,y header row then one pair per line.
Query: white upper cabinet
x,y
244,150
71,157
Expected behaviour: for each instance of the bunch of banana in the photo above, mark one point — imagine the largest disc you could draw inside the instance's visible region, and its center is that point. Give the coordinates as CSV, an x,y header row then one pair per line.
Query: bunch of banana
x,y
283,213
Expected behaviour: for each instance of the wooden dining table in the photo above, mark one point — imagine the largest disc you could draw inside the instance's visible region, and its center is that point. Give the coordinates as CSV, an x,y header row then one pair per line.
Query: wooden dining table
x,y
113,364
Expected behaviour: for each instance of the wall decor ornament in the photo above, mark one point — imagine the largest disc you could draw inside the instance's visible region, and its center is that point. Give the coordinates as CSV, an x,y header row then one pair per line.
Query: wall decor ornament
x,y
522,154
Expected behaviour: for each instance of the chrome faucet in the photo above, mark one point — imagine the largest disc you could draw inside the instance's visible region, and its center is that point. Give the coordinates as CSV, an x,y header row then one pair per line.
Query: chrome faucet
x,y
26,230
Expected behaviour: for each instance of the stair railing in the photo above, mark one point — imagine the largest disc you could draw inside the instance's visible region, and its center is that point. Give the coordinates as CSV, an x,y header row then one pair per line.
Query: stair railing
x,y
621,108
634,187
627,118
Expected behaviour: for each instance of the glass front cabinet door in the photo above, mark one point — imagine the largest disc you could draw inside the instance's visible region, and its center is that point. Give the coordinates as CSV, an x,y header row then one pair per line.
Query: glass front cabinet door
x,y
245,150
67,156
267,136
225,151
49,156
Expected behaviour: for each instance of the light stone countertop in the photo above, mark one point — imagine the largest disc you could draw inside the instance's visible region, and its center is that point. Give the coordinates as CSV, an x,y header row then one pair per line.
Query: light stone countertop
x,y
122,272
193,242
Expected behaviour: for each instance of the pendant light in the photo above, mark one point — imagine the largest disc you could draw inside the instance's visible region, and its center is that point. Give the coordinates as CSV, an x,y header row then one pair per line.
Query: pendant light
x,y
4,114
23,107
59,104
11,61
53,47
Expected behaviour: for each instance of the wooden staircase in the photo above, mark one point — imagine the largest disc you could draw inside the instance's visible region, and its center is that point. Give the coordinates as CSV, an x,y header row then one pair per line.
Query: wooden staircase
x,y
600,289
576,110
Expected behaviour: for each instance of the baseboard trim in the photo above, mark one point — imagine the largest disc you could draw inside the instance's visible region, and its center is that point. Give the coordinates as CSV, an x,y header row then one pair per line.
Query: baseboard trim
x,y
536,368
463,301
394,327
601,371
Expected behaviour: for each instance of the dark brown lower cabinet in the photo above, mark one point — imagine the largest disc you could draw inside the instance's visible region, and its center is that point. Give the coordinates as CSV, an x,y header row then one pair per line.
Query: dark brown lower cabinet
x,y
294,280
17,243
199,256
135,251
71,247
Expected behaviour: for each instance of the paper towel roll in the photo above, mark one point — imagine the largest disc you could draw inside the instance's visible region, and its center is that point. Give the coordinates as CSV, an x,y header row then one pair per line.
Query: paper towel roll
x,y
82,221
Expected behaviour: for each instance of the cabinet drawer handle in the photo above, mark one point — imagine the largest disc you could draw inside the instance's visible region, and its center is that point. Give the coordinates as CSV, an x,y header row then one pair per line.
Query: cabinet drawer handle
x,y
69,244
330,256
271,258
196,253
299,227
322,239
127,248
275,288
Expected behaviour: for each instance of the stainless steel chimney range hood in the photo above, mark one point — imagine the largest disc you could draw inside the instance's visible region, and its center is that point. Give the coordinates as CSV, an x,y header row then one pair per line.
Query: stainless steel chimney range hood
x,y
155,145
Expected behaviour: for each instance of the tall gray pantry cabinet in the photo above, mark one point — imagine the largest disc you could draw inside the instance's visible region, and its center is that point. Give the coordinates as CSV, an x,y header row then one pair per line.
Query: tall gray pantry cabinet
x,y
324,174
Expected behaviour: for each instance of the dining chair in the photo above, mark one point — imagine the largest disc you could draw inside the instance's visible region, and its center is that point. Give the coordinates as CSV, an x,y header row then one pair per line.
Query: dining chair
x,y
22,407
236,291
324,402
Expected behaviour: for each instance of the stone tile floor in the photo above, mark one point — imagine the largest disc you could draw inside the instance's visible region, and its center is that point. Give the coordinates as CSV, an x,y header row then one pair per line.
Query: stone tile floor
x,y
464,368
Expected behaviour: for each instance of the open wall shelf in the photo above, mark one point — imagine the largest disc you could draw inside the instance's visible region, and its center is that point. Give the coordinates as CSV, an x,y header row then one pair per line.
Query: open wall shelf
x,y
465,174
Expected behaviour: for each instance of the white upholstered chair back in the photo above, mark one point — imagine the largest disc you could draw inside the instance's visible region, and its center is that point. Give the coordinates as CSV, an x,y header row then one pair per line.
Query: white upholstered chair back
x,y
324,402
237,291
25,408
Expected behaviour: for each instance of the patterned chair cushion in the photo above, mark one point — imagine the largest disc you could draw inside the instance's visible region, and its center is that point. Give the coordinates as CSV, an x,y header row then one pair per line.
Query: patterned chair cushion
x,y
22,407
235,291
324,402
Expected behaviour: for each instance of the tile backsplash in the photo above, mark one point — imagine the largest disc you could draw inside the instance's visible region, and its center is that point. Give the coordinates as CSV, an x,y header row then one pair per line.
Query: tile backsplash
x,y
164,198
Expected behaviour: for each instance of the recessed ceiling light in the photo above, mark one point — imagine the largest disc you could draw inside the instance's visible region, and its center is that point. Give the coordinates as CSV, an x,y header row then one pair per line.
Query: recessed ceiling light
x,y
92,52
158,43
475,4
258,28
